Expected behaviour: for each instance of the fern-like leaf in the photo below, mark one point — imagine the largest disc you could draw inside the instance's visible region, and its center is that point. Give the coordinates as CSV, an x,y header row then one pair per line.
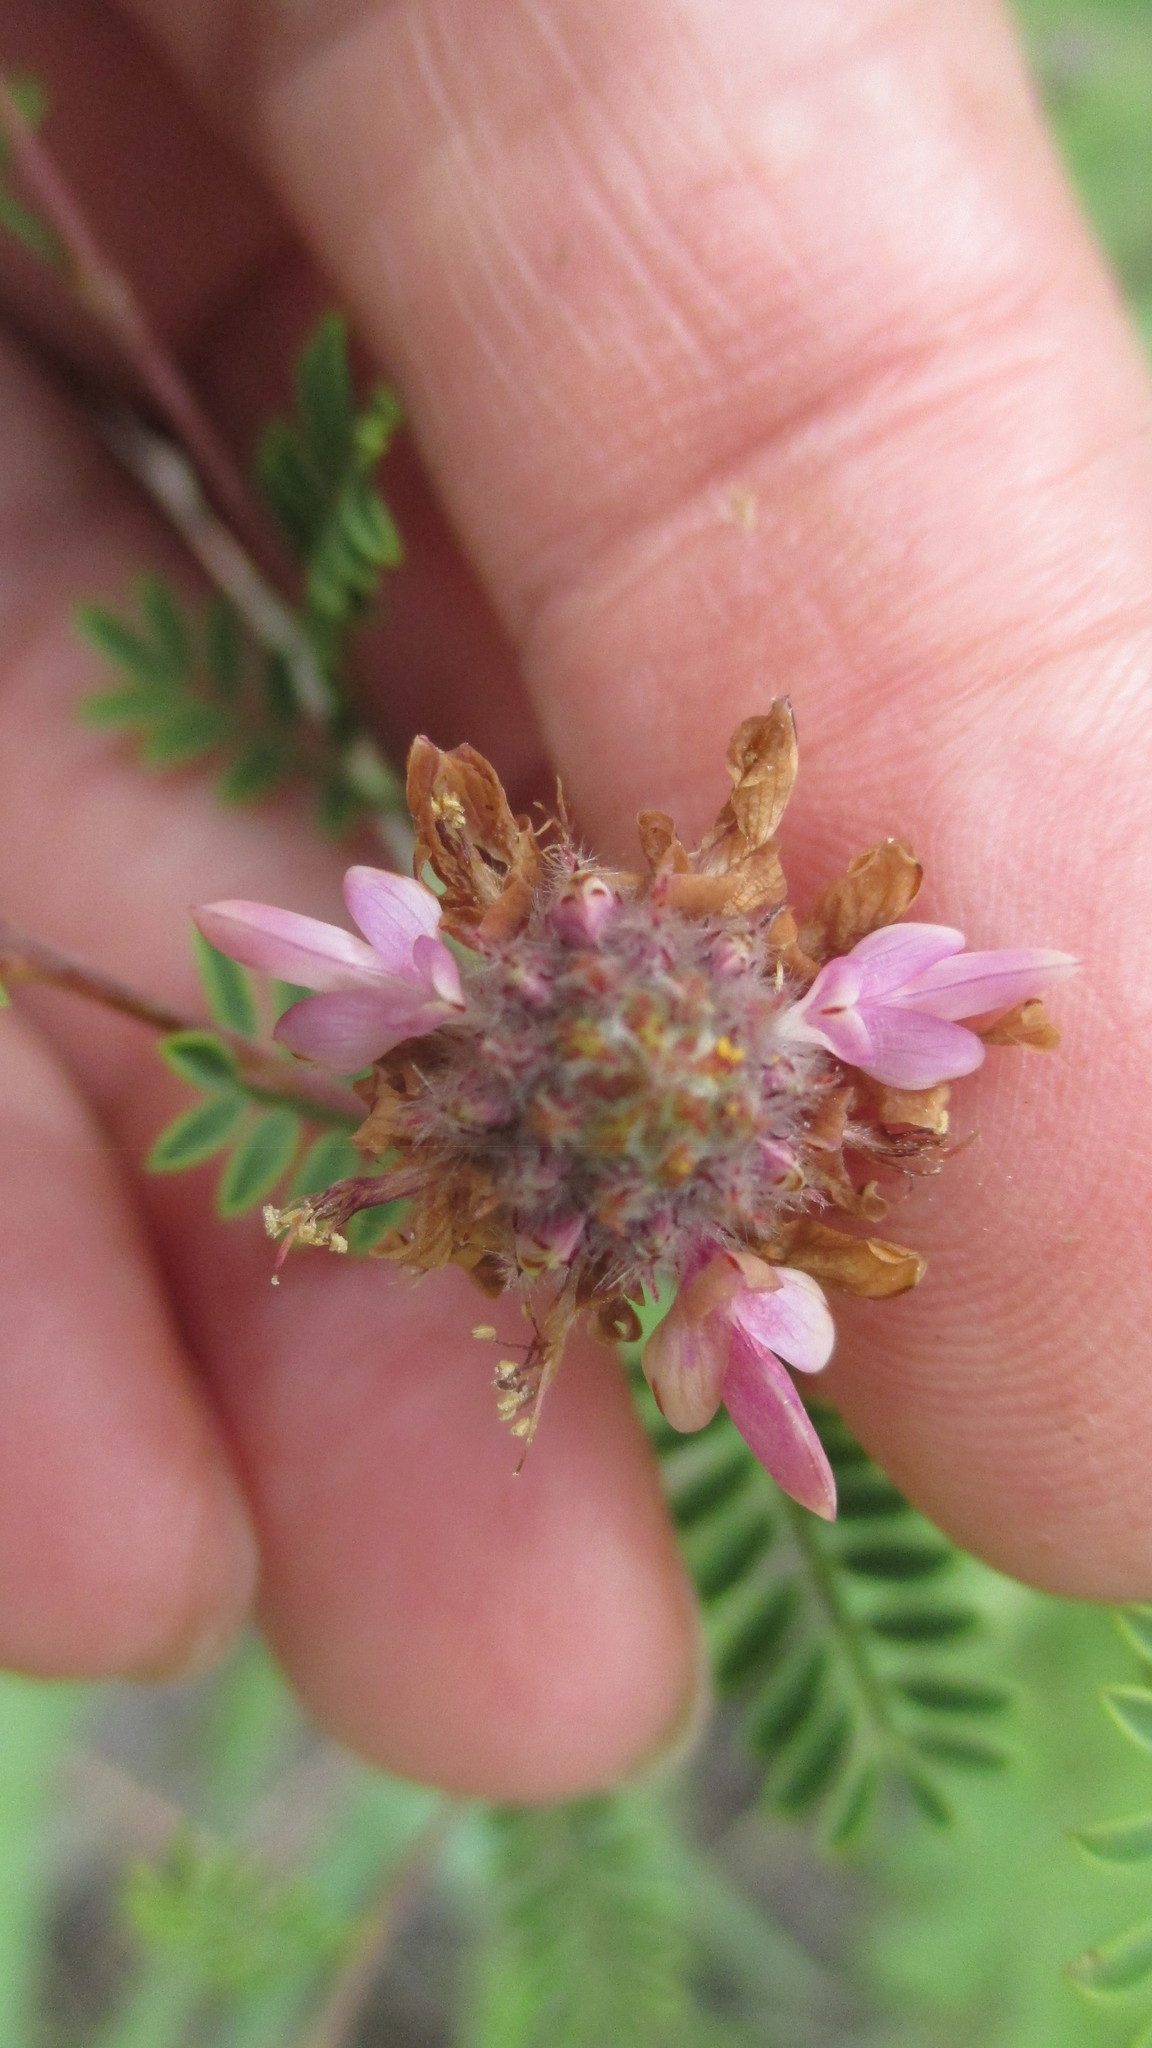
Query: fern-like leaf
x,y
835,1638
316,471
586,1945
1123,1965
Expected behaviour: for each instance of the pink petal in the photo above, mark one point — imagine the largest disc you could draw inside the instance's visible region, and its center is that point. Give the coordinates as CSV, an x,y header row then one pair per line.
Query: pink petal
x,y
436,971
774,1423
909,1049
827,1015
684,1363
349,1030
584,906
299,949
978,983
886,960
393,912
791,1319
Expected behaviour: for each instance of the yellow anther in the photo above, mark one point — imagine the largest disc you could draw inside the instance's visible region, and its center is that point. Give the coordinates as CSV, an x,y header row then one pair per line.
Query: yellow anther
x,y
732,1055
485,1332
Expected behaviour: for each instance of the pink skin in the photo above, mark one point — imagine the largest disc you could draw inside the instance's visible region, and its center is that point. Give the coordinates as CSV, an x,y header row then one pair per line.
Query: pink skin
x,y
723,1339
889,1006
396,982
869,428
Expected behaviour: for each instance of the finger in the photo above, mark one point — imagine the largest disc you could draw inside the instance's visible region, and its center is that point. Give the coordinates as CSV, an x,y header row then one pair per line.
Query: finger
x,y
235,294
124,1542
756,350
518,1637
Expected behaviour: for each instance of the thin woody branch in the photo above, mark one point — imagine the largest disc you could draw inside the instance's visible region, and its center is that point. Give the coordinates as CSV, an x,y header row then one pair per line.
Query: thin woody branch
x,y
108,295
265,1072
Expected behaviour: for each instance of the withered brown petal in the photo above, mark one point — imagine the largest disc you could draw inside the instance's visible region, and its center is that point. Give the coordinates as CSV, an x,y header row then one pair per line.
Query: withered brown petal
x,y
762,761
467,835
925,1109
1028,1024
878,888
660,844
868,1266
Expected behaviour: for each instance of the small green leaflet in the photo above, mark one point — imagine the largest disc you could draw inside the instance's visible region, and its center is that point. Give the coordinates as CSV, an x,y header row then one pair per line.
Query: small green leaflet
x,y
831,1636
28,227
228,989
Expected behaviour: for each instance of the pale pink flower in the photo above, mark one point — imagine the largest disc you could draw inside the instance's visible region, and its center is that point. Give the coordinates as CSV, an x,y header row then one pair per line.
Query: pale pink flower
x,y
891,1005
397,982
724,1339
582,909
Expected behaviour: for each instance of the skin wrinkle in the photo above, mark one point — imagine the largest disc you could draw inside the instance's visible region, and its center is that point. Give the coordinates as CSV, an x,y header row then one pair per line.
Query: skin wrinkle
x,y
509,375
884,398
846,770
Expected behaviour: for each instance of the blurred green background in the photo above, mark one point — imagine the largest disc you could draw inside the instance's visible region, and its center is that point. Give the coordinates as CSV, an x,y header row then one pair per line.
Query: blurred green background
x,y
194,1867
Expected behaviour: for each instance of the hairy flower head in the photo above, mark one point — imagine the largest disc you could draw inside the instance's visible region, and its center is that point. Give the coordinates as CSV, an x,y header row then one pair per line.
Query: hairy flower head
x,y
623,1079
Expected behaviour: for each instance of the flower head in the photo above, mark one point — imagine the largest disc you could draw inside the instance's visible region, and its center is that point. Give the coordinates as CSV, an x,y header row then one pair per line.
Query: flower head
x,y
631,1078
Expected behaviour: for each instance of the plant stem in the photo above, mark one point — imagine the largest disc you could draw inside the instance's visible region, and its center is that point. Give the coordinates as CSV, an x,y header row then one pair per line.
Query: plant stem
x,y
171,481
266,1073
106,293
333,2026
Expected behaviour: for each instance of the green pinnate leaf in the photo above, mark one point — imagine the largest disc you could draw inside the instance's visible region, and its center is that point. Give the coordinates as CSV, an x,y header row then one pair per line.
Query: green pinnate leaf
x,y
234,1923
722,1481
850,1823
753,1648
228,989
119,643
1135,1625
923,1624
330,1158
867,1496
1117,1966
224,647
940,1695
793,1703
169,638
136,704
259,1161
966,1752
261,767
200,1058
1118,1841
186,732
892,1560
729,1558
197,1134
817,1770
930,1797
1131,1708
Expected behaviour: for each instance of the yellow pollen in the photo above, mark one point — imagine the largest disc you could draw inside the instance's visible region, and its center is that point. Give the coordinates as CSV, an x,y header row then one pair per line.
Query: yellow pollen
x,y
448,807
732,1055
485,1332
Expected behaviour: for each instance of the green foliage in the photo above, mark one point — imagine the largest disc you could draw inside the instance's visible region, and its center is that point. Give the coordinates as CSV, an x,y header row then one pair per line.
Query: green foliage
x,y
195,688
316,471
228,1916
270,1142
1123,1964
28,227
833,1637
586,1942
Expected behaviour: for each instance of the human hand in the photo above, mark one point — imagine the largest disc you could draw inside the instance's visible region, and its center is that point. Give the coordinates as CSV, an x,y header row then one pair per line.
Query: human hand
x,y
747,351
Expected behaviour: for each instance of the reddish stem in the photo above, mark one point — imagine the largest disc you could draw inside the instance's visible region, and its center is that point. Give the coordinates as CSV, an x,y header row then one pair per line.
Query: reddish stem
x,y
27,959
108,295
